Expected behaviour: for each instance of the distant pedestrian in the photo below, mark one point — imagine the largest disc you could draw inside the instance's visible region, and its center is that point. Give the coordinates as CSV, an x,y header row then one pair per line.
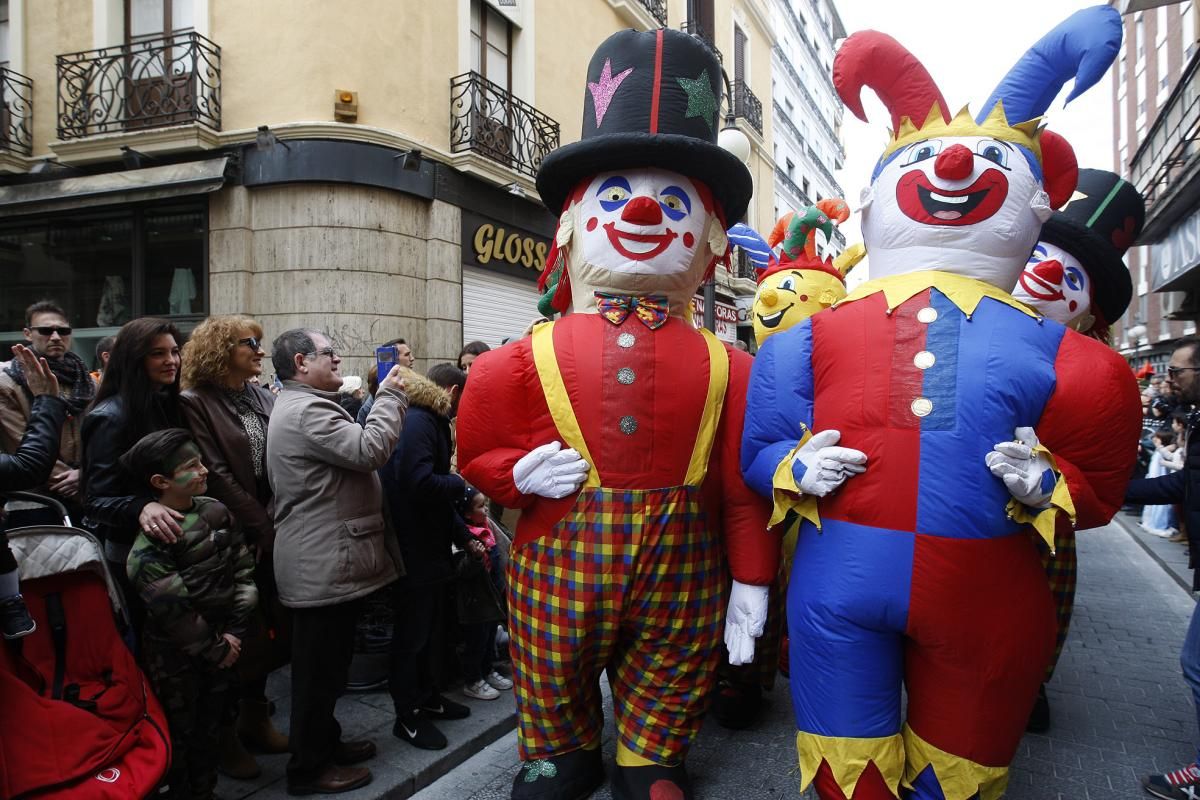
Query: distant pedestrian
x,y
330,549
199,593
103,353
1181,487
404,357
471,351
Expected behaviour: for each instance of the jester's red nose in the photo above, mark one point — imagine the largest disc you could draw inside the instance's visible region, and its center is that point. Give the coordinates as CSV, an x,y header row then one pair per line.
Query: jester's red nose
x,y
642,211
1050,271
954,163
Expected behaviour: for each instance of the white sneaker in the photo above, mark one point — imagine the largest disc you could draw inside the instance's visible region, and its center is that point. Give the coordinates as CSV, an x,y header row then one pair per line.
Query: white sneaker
x,y
498,681
480,690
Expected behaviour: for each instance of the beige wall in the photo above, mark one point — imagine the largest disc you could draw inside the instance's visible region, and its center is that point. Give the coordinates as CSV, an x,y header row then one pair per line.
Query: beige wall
x,y
52,27
364,265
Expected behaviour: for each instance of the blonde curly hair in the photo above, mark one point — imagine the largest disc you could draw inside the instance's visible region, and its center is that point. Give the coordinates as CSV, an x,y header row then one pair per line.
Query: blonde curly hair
x,y
207,353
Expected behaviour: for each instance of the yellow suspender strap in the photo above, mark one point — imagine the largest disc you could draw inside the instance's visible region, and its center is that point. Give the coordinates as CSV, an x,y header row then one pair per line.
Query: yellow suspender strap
x,y
563,414
557,399
718,381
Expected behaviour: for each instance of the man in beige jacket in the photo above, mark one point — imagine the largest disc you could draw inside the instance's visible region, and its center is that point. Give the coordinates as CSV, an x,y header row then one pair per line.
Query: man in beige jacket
x,y
329,543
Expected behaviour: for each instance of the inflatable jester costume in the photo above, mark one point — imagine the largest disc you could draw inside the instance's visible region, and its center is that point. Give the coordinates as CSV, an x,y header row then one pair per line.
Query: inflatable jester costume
x,y
916,562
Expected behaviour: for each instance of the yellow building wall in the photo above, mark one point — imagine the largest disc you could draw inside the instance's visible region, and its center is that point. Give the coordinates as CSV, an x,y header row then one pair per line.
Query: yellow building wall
x,y
52,27
282,60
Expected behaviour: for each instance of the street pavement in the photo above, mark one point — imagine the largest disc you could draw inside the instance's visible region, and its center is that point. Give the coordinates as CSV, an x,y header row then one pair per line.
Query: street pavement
x,y
1120,708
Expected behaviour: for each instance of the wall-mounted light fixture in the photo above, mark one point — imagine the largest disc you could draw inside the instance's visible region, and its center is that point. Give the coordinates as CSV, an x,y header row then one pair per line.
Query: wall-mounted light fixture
x,y
52,166
410,160
345,105
516,189
133,159
265,139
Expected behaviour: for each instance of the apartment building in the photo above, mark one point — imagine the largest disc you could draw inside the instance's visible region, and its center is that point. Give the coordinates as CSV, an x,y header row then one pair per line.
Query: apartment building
x,y
366,168
1156,124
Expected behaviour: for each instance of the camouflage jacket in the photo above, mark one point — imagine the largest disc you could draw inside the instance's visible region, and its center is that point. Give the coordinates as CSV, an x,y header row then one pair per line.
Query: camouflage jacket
x,y
199,587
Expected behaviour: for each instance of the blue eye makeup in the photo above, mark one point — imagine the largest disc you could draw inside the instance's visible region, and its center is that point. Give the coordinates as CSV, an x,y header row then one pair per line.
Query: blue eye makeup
x,y
614,193
675,202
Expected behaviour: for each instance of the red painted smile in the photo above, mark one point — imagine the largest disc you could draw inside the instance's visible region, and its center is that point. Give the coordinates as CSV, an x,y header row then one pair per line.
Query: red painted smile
x,y
644,245
921,201
1036,287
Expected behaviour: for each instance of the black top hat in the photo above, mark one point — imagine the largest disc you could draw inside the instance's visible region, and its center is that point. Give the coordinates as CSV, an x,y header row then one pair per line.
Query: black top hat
x,y
1097,228
652,100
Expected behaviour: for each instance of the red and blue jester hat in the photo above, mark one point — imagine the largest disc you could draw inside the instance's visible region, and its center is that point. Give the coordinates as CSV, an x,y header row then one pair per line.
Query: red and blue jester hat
x,y
911,221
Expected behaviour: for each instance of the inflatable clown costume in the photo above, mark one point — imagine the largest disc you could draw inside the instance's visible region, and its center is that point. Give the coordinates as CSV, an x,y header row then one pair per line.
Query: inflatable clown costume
x,y
616,431
928,428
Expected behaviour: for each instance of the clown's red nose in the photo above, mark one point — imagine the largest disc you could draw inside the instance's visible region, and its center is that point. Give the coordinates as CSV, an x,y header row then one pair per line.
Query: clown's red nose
x,y
1050,271
642,211
954,163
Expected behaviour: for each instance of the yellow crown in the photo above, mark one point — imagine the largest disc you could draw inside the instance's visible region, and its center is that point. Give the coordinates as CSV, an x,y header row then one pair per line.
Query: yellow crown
x,y
996,126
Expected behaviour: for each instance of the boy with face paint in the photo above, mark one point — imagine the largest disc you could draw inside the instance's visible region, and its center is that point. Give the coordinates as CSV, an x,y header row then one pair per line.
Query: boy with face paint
x,y
199,593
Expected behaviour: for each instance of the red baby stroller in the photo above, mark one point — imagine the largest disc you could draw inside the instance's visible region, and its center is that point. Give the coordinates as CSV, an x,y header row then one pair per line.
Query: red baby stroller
x,y
77,717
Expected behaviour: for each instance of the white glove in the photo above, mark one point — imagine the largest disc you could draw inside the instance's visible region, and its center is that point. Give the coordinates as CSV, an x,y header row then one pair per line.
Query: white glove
x,y
550,471
744,621
1027,474
826,467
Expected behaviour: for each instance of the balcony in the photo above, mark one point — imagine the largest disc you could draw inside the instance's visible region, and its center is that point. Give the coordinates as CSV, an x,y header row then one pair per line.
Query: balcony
x,y
744,268
747,106
155,83
1166,167
16,113
796,193
657,9
488,120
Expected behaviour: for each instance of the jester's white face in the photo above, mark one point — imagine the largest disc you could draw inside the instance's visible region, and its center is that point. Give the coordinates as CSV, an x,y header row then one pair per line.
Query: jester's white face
x,y
643,221
972,205
1057,286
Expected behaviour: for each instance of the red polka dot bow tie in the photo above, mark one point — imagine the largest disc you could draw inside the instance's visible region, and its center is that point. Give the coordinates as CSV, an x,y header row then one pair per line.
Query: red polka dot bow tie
x,y
650,309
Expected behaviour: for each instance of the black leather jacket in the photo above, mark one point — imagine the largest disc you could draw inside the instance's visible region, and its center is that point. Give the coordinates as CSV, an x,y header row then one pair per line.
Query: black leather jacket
x,y
112,499
30,466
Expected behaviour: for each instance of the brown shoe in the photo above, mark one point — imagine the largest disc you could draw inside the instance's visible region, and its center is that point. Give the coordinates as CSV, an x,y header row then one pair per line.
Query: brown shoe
x,y
332,780
235,761
348,753
1177,537
255,729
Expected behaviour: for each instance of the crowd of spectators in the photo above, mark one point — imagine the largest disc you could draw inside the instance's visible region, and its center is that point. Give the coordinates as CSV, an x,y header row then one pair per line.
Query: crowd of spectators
x,y
248,523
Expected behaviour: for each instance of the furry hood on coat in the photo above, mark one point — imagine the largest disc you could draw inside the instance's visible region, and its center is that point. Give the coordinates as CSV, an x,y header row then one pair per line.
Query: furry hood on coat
x,y
425,393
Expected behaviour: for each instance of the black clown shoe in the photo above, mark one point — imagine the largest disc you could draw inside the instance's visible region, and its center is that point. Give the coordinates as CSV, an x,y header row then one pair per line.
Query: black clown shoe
x,y
735,706
653,782
1039,718
571,776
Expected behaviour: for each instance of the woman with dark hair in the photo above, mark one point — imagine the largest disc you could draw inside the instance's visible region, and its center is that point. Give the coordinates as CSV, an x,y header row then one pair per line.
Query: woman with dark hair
x,y
139,395
228,415
471,351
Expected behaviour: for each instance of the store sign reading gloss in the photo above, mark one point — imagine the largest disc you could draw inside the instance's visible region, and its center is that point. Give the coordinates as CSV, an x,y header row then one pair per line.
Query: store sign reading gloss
x,y
493,245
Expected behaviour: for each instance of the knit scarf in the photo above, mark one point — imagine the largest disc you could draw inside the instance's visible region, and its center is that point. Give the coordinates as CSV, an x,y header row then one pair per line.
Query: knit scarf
x,y
75,384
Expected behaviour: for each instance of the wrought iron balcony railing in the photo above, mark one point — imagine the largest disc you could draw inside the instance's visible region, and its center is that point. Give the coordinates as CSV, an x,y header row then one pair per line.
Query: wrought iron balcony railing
x,y
657,9
153,83
795,191
747,106
489,120
744,267
1169,155
16,112
703,34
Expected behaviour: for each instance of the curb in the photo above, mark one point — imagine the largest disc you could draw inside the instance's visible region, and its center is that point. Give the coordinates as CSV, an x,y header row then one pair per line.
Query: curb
x,y
1129,530
450,758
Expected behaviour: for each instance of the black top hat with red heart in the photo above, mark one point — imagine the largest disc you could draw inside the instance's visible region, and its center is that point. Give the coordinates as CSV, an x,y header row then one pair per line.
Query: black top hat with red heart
x,y
1099,223
653,99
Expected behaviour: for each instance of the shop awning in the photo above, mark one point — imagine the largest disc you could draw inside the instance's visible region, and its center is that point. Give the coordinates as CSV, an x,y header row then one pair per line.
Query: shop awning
x,y
114,188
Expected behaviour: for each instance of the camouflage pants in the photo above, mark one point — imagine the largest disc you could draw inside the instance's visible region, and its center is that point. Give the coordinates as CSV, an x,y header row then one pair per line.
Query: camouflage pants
x,y
197,700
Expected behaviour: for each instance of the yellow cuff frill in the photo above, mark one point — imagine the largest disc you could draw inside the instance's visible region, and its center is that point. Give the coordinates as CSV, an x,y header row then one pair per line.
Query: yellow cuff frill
x,y
847,758
786,493
1043,519
959,778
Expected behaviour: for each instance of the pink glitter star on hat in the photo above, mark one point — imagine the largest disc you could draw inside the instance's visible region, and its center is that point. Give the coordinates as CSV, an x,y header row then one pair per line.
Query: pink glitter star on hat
x,y
604,89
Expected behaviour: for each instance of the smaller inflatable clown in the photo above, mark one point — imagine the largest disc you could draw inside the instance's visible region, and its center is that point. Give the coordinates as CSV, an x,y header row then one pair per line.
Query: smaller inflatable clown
x,y
929,428
1076,276
803,279
615,430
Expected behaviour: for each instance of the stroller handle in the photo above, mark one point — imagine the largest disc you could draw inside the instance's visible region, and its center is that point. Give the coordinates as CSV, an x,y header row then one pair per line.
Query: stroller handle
x,y
40,499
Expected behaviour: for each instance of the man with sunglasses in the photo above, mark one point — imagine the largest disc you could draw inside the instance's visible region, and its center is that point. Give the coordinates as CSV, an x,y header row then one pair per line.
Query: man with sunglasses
x,y
48,335
1183,378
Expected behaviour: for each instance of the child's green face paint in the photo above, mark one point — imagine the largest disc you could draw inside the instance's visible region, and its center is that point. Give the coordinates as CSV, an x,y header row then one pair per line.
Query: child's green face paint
x,y
189,472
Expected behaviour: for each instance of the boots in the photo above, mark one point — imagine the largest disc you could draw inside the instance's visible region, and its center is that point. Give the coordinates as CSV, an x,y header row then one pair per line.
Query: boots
x,y
255,728
235,761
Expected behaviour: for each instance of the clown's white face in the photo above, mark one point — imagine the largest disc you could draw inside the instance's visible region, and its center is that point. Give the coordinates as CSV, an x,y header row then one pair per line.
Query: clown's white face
x,y
643,221
970,205
1057,286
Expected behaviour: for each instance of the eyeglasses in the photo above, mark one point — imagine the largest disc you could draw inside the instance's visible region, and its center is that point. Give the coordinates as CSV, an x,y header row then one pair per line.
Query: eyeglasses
x,y
50,330
1174,371
252,342
328,351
